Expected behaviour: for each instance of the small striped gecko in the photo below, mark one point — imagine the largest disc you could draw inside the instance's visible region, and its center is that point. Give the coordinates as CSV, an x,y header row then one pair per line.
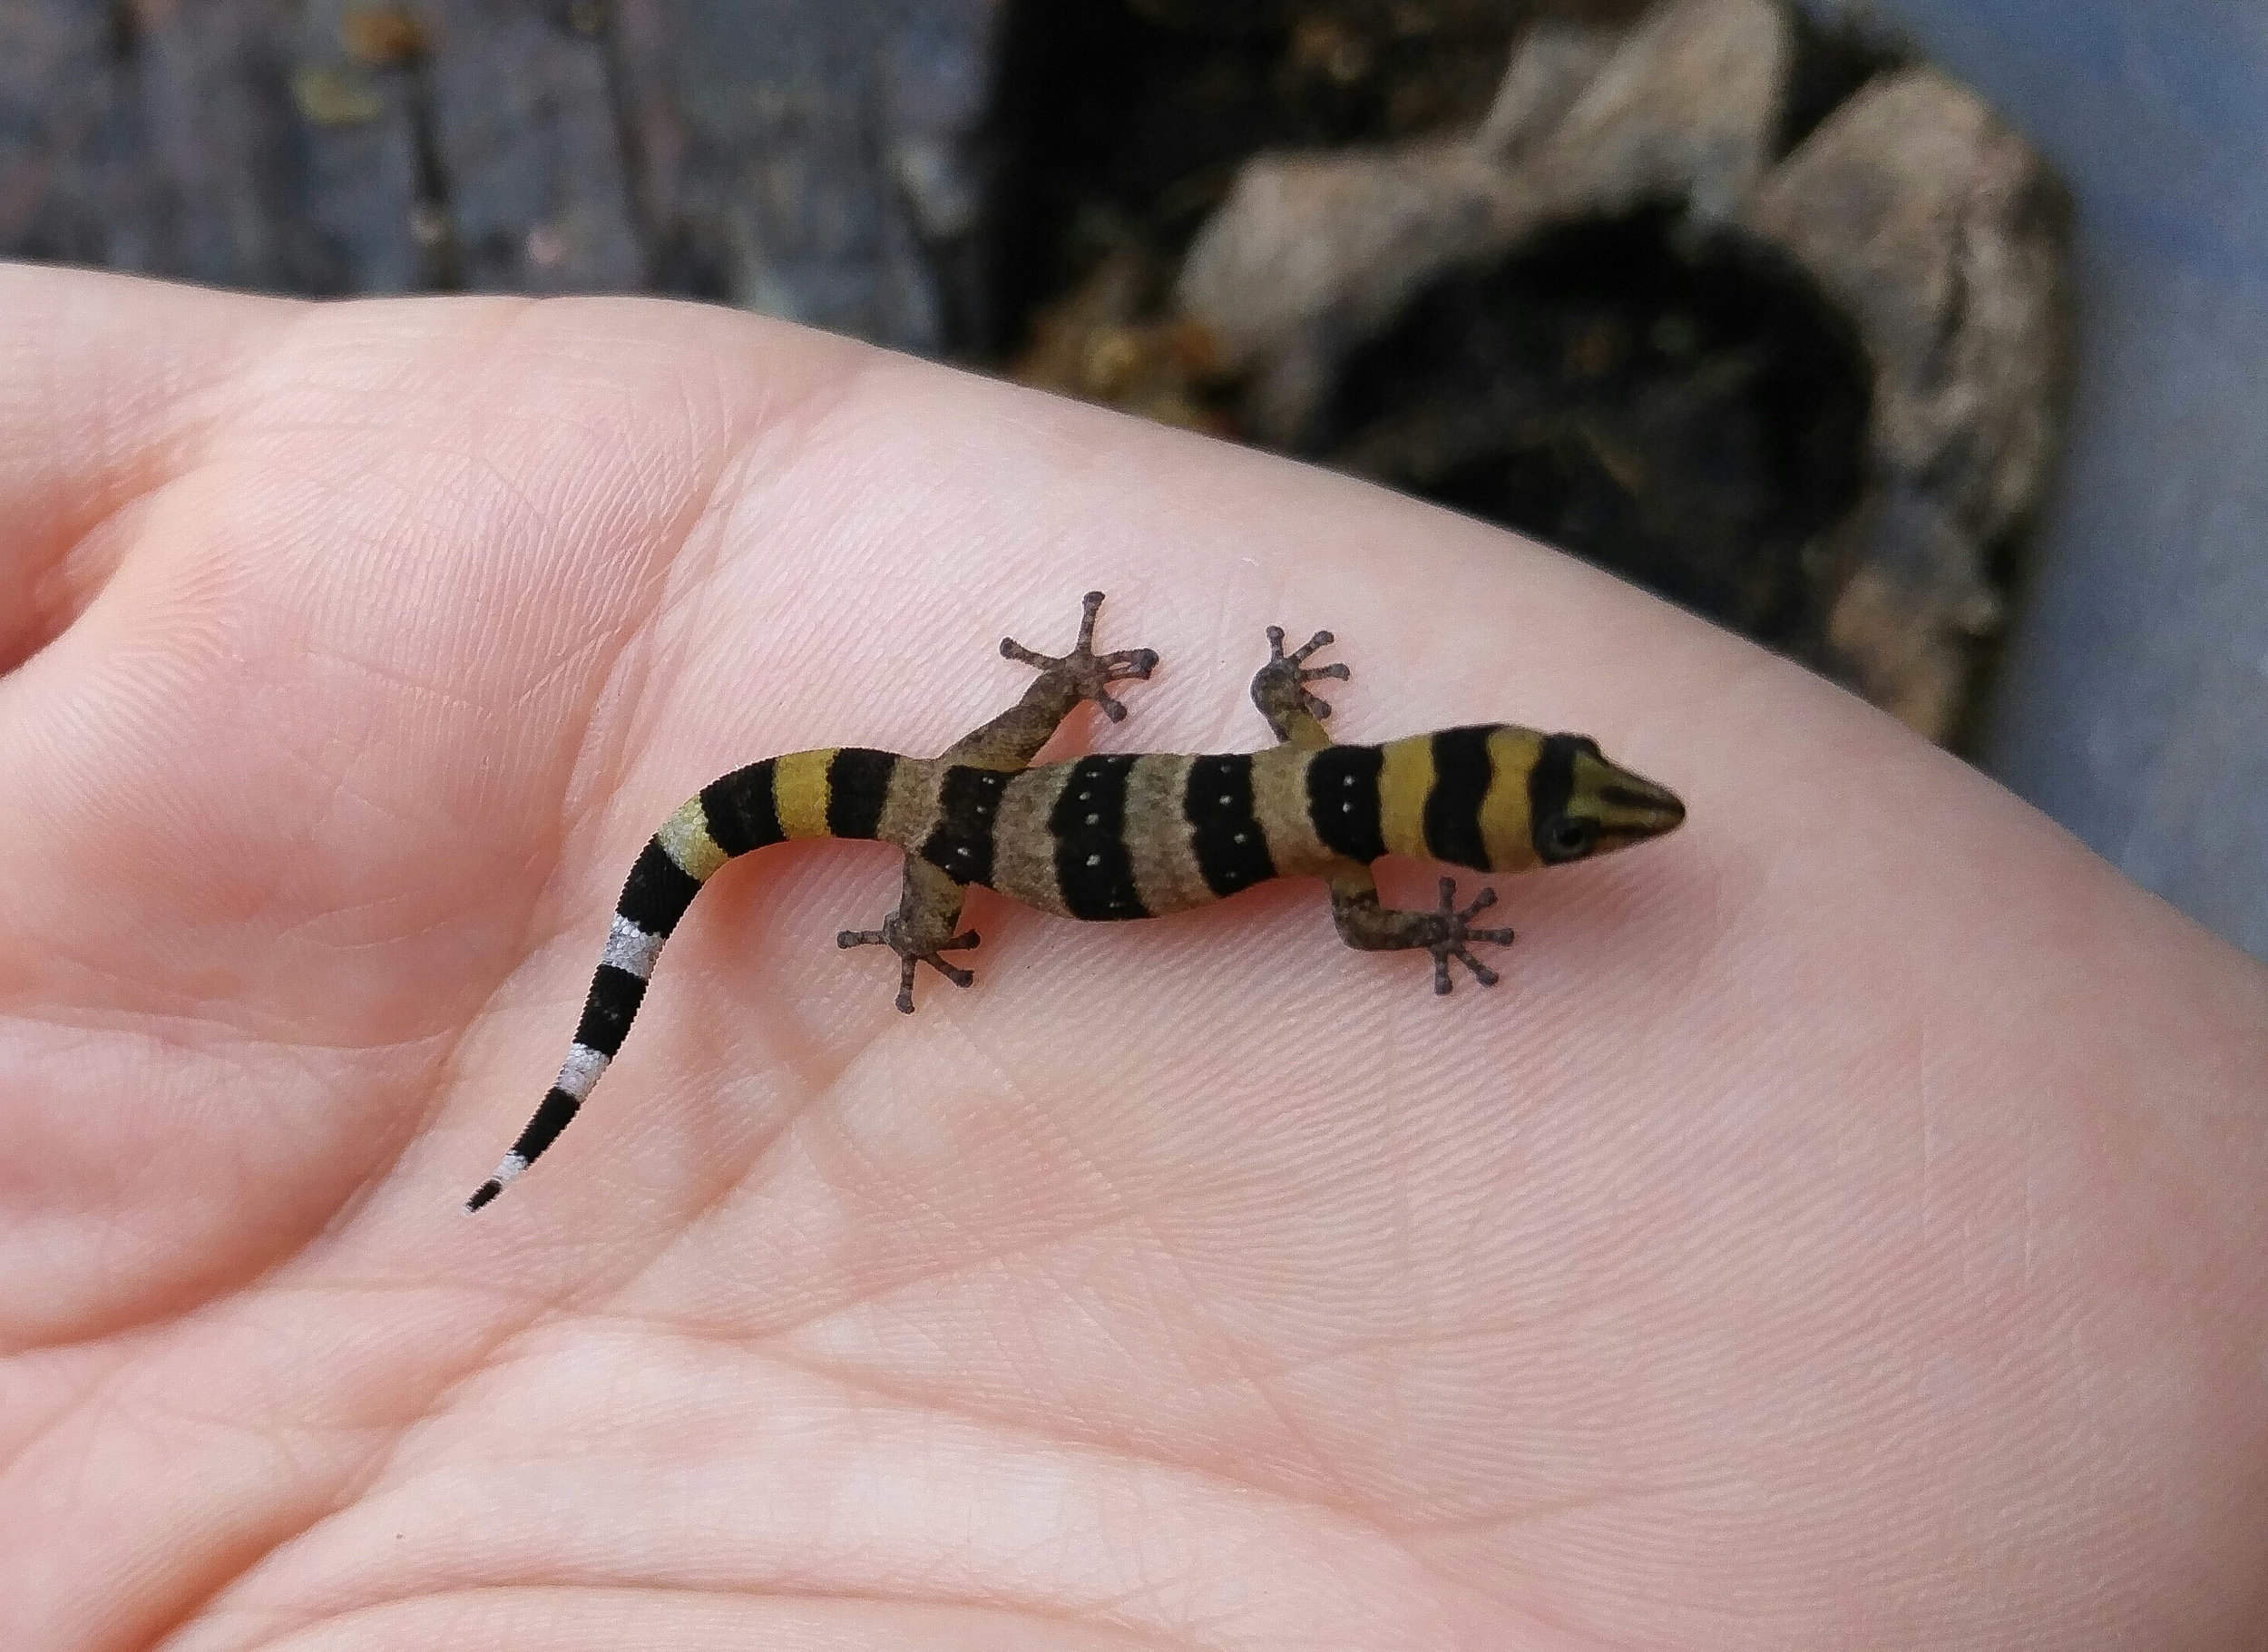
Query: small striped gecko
x,y
1112,836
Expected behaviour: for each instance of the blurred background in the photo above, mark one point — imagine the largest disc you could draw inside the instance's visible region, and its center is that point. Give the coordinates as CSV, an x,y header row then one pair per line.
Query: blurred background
x,y
1926,344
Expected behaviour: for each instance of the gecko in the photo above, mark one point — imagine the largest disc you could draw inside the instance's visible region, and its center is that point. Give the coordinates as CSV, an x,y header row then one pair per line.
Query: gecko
x,y
1112,836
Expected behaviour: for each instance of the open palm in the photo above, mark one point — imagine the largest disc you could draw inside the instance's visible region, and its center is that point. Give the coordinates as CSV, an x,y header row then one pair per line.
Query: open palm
x,y
1842,1227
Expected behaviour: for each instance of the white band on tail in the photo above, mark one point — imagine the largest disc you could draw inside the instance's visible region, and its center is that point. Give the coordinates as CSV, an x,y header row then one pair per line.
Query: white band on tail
x,y
630,948
580,1072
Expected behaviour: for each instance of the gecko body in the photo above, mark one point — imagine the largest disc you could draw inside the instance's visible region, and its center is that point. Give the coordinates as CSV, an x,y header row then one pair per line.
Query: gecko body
x,y
1118,837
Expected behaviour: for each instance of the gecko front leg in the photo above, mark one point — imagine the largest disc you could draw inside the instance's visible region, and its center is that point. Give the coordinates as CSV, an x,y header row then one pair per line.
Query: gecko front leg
x,y
1279,688
1280,691
1365,924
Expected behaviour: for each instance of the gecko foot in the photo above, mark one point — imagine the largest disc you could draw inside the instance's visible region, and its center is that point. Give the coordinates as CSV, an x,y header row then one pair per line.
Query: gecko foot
x,y
1090,673
1447,931
892,935
1280,687
1289,673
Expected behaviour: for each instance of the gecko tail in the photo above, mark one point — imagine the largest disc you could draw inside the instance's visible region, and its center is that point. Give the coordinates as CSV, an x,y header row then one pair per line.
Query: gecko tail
x,y
487,1190
515,1162
837,792
658,891
583,1067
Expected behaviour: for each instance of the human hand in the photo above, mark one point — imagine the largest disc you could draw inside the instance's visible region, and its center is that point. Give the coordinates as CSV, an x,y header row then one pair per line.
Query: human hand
x,y
1842,1227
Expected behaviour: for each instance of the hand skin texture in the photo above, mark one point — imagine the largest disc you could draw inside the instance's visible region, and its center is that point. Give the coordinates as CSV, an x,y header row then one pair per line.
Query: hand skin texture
x,y
1843,1228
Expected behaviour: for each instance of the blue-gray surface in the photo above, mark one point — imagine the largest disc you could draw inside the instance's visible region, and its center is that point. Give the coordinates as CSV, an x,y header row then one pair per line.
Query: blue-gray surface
x,y
2134,706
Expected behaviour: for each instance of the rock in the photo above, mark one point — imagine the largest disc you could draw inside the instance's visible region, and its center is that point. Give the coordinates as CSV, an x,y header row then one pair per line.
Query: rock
x,y
1345,235
1310,254
1945,236
1934,235
1686,107
1550,66
1911,607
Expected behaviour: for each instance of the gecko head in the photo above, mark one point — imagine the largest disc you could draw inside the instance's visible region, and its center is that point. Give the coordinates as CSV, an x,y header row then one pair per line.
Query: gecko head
x,y
1555,798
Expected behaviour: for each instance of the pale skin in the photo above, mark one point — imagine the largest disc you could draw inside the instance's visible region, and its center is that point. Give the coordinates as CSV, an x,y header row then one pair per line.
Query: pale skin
x,y
1843,1227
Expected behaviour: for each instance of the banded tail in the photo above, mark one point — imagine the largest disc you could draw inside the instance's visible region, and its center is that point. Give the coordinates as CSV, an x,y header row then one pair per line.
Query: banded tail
x,y
837,792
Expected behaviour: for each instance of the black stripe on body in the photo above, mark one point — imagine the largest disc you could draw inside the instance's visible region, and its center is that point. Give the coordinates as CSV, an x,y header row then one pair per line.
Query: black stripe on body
x,y
1231,850
968,807
615,995
542,1129
658,891
858,786
1550,783
1343,800
743,809
1093,868
1461,771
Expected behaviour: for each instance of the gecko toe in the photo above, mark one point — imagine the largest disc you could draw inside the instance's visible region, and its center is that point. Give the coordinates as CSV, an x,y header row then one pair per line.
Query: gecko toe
x,y
1481,973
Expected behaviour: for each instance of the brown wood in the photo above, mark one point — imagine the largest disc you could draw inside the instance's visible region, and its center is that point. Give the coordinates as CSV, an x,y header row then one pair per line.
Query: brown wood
x,y
803,160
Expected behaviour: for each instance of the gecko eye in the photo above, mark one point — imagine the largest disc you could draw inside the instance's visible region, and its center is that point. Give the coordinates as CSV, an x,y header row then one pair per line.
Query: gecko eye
x,y
1571,838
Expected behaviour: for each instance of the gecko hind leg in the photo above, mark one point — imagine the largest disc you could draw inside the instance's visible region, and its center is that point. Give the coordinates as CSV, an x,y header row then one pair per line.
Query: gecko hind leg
x,y
892,935
1088,672
925,925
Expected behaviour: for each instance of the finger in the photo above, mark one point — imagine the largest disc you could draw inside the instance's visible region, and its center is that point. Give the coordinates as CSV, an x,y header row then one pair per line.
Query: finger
x,y
106,384
284,796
